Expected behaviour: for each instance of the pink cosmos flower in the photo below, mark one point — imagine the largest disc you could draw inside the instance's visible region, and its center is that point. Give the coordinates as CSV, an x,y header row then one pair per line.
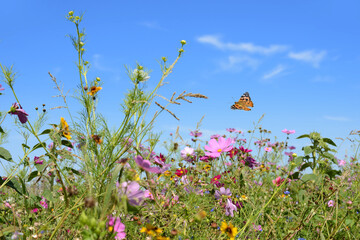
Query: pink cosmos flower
x,y
7,204
16,109
230,130
187,153
1,88
268,149
215,136
145,164
331,203
341,163
43,203
292,147
288,132
215,148
119,227
278,181
196,133
222,192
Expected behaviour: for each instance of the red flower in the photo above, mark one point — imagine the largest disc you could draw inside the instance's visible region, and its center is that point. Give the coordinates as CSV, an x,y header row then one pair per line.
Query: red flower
x,y
215,179
181,171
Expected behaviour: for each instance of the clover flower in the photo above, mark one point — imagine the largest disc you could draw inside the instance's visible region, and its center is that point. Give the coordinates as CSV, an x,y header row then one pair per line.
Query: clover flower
x,y
215,148
16,109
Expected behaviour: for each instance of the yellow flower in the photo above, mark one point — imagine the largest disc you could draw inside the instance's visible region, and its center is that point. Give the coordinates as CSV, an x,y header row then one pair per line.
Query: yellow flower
x,y
243,197
151,230
167,173
230,230
94,90
162,238
207,167
65,127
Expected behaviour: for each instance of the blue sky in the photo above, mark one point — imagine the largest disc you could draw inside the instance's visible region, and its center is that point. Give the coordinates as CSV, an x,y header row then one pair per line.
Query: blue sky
x,y
299,60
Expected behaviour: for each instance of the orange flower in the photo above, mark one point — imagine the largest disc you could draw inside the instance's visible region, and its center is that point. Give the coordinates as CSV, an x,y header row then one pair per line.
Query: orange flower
x,y
97,139
65,127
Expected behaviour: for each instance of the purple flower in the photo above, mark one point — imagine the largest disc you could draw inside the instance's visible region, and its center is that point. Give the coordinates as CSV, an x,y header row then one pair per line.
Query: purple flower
x,y
35,210
16,109
257,227
222,192
215,148
187,154
331,203
132,190
341,163
38,161
250,162
118,226
230,208
230,130
145,164
16,234
196,133
215,136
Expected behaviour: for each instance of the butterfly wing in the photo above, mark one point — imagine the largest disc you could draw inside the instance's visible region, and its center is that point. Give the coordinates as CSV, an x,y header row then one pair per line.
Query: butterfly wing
x,y
243,103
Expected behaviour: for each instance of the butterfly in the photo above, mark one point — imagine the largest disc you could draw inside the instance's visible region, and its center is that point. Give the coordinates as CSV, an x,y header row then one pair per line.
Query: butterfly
x,y
243,103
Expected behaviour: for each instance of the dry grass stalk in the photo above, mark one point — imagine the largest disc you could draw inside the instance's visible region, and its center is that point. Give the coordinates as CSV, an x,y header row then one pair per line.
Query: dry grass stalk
x,y
163,108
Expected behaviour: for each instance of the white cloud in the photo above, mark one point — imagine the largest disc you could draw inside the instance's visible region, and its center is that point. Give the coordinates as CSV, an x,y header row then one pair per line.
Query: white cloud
x,y
337,118
245,47
323,79
309,56
276,71
238,63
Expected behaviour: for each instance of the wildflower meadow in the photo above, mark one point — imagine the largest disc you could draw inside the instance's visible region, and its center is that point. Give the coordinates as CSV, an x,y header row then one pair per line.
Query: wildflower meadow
x,y
88,180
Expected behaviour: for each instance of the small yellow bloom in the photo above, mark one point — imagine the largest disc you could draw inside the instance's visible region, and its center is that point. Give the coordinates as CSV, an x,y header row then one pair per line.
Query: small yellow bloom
x,y
294,155
162,238
94,90
65,127
151,230
207,168
167,173
230,230
243,197
110,229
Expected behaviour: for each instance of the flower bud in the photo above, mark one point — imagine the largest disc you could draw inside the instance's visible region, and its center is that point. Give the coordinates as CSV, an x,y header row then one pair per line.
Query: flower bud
x,y
183,42
181,50
164,59
71,13
86,63
86,88
81,44
98,79
294,155
77,18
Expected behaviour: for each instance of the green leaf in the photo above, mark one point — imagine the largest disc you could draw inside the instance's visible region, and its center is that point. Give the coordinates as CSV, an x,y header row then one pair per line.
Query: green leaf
x,y
308,150
332,173
5,154
25,146
66,143
308,177
39,145
46,131
72,170
305,166
329,141
48,195
33,175
303,136
294,175
1,130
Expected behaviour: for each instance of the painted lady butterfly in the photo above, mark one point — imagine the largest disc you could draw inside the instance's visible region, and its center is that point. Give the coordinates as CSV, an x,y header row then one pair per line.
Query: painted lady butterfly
x,y
243,103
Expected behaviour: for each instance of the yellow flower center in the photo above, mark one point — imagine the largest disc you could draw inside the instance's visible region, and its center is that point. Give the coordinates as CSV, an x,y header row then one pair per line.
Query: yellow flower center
x,y
219,150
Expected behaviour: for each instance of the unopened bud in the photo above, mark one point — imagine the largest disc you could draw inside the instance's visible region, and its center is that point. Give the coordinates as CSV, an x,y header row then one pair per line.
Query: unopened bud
x,y
71,13
183,42
164,59
98,79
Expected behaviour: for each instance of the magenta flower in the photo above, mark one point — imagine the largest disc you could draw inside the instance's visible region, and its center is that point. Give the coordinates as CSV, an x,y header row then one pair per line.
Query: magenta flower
x,y
7,204
1,88
288,132
145,164
132,191
38,161
16,109
35,210
196,133
245,150
187,153
43,203
119,227
331,203
215,148
278,181
230,208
